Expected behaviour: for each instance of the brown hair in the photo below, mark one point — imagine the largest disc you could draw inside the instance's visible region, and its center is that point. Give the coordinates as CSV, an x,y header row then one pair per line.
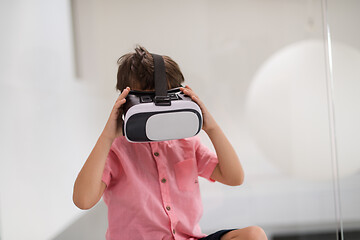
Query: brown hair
x,y
136,70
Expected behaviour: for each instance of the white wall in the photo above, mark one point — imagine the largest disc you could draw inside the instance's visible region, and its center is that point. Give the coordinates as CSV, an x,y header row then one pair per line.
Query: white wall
x,y
50,120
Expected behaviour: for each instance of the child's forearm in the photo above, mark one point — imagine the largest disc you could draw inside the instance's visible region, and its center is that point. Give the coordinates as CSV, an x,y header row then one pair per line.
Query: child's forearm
x,y
88,187
230,168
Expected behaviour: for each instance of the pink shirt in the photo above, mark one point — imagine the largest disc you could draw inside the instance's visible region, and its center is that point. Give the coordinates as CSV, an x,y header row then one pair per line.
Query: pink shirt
x,y
153,190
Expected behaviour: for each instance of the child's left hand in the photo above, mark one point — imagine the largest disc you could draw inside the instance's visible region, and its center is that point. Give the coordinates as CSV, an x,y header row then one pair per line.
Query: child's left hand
x,y
208,121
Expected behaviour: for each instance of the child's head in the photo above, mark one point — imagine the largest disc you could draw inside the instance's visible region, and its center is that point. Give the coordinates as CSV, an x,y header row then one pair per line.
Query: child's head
x,y
136,70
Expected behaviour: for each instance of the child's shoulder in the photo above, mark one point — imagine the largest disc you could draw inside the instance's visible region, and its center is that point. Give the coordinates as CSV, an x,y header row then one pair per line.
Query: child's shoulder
x,y
121,141
193,139
187,142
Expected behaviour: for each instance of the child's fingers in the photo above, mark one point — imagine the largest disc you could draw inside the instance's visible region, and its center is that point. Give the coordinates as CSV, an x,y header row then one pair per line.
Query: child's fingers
x,y
189,92
199,102
187,86
121,99
118,104
117,110
124,93
193,96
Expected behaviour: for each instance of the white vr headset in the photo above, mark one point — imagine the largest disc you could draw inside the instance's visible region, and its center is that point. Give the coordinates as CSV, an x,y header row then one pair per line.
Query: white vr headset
x,y
162,114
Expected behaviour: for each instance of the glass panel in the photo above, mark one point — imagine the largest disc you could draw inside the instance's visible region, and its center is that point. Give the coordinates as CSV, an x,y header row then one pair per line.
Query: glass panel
x,y
274,76
343,20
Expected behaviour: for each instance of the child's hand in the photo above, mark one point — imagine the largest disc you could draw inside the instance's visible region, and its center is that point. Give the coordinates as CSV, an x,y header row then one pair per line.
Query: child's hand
x,y
113,127
209,122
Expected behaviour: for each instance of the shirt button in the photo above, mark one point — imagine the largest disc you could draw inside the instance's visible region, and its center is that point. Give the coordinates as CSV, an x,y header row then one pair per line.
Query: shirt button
x,y
163,180
156,153
174,231
168,208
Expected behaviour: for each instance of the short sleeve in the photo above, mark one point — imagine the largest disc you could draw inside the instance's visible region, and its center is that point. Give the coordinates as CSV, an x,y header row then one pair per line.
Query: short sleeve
x,y
206,159
111,168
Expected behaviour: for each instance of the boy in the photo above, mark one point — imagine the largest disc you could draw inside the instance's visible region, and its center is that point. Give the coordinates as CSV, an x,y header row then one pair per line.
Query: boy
x,y
151,189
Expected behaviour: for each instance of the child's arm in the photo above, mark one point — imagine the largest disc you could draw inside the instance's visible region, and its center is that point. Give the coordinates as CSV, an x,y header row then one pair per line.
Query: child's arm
x,y
88,187
229,170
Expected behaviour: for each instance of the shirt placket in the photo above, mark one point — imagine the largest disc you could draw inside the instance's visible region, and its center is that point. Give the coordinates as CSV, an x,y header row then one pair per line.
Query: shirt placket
x,y
164,185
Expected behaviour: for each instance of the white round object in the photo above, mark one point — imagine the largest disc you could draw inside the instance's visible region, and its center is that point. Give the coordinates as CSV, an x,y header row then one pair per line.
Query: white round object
x,y
287,109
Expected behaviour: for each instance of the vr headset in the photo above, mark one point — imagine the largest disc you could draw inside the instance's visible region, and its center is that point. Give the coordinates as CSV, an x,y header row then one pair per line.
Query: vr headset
x,y
162,114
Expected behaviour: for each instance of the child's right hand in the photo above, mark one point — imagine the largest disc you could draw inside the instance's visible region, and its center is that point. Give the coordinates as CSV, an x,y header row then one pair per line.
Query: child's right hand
x,y
113,127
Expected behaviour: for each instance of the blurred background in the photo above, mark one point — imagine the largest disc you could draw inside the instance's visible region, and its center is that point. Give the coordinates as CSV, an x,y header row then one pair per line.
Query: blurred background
x,y
285,93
